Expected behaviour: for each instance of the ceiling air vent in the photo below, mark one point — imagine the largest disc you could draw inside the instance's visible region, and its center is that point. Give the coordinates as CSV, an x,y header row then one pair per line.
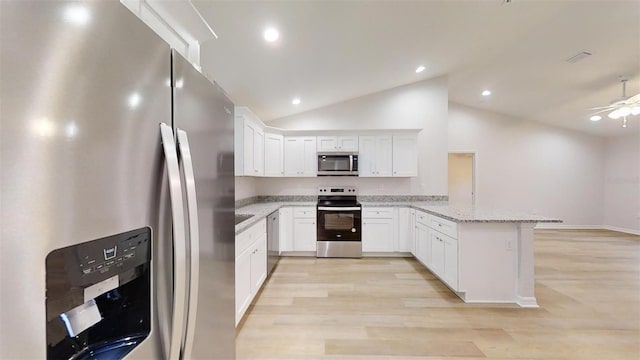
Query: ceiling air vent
x,y
579,56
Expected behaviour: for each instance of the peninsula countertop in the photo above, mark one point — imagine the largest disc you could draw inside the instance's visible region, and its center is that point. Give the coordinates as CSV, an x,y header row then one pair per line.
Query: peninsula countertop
x,y
459,214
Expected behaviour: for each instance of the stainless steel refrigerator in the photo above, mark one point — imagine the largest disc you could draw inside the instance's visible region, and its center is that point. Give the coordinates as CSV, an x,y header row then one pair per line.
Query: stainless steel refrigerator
x,y
117,190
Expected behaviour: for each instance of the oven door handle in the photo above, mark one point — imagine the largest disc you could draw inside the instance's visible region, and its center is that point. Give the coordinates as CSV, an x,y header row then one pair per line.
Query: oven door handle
x,y
338,208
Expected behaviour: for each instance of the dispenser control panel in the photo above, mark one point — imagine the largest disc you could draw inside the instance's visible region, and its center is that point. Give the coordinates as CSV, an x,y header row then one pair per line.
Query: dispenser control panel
x,y
114,254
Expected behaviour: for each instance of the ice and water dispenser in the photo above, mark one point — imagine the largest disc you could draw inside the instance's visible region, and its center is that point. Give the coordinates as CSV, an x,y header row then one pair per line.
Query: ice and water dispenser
x,y
98,300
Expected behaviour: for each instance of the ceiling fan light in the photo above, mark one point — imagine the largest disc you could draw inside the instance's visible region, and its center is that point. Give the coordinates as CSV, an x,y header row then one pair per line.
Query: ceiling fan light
x,y
614,115
635,110
624,111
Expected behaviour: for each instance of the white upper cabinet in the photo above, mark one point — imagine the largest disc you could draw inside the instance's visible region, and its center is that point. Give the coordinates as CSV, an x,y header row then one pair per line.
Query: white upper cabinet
x,y
375,156
249,144
337,143
327,143
273,155
405,155
300,157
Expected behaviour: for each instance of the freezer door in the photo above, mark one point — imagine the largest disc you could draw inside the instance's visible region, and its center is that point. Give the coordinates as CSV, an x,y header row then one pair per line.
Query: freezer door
x,y
205,114
84,88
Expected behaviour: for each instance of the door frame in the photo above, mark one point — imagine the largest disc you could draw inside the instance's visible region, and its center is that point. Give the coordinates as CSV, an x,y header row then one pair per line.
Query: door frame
x,y
474,175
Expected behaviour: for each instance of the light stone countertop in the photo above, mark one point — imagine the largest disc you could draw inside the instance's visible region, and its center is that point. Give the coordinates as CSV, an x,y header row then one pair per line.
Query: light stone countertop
x,y
465,214
262,210
438,208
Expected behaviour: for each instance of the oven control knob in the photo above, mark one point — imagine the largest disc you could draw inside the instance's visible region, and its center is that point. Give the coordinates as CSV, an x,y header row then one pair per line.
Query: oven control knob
x,y
353,229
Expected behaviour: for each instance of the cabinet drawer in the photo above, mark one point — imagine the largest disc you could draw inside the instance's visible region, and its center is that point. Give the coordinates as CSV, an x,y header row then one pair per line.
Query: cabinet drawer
x,y
249,236
373,213
446,227
422,218
304,212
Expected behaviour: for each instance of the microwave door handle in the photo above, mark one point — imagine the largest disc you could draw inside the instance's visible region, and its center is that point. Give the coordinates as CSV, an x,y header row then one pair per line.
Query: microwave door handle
x,y
179,241
350,162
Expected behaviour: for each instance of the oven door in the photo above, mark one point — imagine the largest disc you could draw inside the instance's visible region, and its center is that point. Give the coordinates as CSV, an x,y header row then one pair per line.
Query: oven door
x,y
339,223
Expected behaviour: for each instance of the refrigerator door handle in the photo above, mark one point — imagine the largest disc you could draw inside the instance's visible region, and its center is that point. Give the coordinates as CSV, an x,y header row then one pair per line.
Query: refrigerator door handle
x,y
179,243
194,239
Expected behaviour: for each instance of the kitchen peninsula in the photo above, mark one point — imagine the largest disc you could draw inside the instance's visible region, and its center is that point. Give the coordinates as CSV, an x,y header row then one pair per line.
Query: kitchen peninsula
x,y
483,255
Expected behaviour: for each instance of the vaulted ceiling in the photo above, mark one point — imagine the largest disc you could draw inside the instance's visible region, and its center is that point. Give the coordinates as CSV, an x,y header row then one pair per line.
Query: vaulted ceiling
x,y
333,51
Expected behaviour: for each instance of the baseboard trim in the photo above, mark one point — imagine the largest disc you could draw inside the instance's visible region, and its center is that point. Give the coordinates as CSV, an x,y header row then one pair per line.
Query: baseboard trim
x,y
527,302
624,230
554,226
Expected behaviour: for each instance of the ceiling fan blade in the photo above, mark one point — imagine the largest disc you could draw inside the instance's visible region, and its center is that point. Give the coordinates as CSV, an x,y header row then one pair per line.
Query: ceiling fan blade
x,y
634,99
603,107
600,112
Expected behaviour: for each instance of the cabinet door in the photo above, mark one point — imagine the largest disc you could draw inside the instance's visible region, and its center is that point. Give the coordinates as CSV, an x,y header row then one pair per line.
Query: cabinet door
x,y
367,156
293,156
347,143
437,253
249,152
413,232
450,272
405,158
423,246
310,157
384,150
377,235
304,234
258,152
243,282
286,229
258,264
273,155
405,233
327,143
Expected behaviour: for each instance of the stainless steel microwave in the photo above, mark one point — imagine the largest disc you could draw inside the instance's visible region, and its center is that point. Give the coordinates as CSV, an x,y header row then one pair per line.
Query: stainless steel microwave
x,y
338,164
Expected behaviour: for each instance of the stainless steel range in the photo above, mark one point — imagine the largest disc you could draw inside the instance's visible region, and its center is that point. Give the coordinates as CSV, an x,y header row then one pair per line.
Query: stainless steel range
x,y
339,223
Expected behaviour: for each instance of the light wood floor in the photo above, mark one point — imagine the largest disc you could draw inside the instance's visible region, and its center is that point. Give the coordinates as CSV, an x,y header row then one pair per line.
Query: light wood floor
x,y
587,285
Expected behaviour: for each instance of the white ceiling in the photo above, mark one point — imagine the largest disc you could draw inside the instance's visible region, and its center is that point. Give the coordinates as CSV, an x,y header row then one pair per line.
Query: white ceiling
x,y
333,51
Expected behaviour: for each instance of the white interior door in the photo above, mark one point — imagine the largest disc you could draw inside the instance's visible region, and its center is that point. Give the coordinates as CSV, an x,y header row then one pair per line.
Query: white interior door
x,y
461,179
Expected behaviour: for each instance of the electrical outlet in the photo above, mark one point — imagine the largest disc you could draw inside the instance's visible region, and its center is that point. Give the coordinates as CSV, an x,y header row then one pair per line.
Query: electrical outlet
x,y
509,245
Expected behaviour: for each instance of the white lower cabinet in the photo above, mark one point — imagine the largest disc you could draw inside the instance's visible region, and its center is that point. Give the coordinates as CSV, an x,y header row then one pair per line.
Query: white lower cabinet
x,y
377,235
251,265
259,264
406,226
285,238
304,229
450,272
437,250
423,243
379,229
243,283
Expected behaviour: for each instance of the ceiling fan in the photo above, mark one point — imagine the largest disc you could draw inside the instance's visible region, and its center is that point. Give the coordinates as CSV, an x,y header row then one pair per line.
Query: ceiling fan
x,y
621,108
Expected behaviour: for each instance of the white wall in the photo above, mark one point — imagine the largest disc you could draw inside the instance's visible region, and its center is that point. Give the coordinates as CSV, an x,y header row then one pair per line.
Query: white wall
x,y
622,183
421,105
531,167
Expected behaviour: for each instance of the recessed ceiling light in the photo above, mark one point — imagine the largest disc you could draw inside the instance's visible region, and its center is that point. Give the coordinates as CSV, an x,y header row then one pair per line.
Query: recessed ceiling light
x,y
77,15
271,35
295,101
595,118
420,69
486,93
